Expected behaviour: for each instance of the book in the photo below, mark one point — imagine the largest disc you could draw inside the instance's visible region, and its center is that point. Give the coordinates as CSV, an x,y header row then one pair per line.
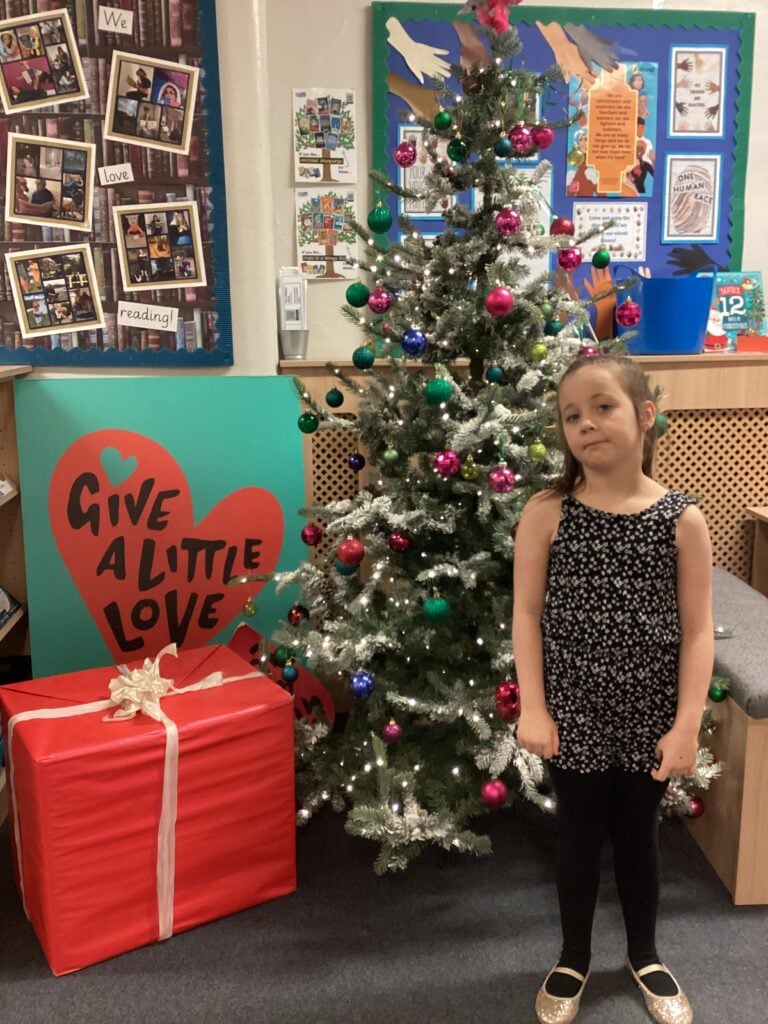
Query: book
x,y
737,308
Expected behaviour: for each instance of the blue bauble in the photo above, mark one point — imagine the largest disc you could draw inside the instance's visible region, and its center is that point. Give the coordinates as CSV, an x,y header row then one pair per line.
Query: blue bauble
x,y
502,147
356,461
494,375
290,673
361,684
345,570
413,341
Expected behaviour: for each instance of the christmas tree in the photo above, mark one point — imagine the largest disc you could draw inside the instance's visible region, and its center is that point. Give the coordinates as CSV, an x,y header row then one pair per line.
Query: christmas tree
x,y
413,603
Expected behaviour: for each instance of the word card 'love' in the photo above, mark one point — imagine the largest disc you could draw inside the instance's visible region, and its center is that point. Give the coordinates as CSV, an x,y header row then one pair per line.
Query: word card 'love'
x,y
122,516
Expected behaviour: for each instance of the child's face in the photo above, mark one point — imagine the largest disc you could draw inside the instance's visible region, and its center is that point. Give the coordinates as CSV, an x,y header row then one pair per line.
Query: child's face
x,y
599,419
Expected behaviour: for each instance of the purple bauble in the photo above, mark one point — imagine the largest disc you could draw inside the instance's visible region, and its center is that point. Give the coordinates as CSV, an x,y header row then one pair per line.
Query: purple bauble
x,y
522,140
405,154
499,301
588,351
391,732
447,463
542,136
398,542
569,259
502,479
356,461
379,300
312,534
696,808
628,313
494,793
508,222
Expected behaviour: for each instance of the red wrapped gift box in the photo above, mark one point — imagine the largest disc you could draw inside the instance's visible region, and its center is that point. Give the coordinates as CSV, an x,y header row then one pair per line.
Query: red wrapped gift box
x,y
126,829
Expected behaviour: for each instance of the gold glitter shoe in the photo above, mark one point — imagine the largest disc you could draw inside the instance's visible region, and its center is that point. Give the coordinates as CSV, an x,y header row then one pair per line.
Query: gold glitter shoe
x,y
559,1009
664,1009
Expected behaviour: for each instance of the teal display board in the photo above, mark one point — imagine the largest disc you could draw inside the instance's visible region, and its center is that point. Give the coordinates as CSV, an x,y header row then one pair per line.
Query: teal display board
x,y
141,499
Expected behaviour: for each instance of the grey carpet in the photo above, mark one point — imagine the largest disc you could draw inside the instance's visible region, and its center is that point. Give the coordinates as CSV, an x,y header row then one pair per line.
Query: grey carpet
x,y
454,940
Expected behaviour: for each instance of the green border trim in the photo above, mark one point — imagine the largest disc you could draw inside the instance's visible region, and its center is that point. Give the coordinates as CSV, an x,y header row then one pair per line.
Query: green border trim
x,y
743,23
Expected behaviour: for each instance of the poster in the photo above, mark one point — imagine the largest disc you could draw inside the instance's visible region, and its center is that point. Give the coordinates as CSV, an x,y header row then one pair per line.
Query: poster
x,y
697,96
625,240
135,518
413,177
692,197
324,136
325,240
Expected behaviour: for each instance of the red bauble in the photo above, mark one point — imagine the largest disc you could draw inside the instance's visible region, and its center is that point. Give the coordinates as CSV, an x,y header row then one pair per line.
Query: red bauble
x,y
312,534
405,154
398,542
697,807
522,140
569,259
447,463
502,479
542,136
297,613
494,793
628,313
508,222
351,551
379,300
391,732
508,700
561,226
588,351
499,301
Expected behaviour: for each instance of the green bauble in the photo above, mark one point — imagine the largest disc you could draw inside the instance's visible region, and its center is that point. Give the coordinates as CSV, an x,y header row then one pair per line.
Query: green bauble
x,y
391,455
280,656
438,390
552,327
601,259
308,423
537,451
334,398
363,358
436,609
457,150
357,294
717,692
661,424
547,309
249,608
443,120
575,158
539,351
379,219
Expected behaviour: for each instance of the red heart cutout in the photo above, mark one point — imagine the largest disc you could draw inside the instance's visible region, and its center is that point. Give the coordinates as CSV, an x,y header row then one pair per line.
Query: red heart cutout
x,y
148,574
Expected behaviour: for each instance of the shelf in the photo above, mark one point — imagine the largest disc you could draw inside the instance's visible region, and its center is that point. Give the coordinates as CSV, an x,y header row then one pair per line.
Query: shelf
x,y
9,496
9,372
16,617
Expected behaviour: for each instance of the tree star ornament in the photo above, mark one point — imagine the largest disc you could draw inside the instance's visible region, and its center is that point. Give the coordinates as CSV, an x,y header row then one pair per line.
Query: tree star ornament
x,y
494,13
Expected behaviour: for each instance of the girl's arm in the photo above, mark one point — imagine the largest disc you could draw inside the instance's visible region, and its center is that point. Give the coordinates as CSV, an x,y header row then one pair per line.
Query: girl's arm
x,y
677,748
536,730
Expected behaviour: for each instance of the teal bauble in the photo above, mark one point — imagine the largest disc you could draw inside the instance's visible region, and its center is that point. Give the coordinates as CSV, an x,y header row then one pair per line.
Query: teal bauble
x,y
363,358
438,390
308,423
717,692
443,120
502,147
436,609
661,424
279,656
601,259
345,570
457,150
552,327
379,219
494,375
357,294
334,398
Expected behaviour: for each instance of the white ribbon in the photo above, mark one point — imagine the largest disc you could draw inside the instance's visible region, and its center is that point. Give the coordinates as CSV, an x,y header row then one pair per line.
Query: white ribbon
x,y
135,691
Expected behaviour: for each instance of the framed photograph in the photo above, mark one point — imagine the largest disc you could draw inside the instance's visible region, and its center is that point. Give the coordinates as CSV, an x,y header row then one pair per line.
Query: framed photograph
x,y
691,197
151,102
55,290
697,96
159,246
39,62
49,181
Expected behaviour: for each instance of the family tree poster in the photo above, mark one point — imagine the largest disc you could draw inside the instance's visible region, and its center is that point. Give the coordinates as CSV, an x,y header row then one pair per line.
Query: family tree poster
x,y
103,116
324,136
325,239
661,104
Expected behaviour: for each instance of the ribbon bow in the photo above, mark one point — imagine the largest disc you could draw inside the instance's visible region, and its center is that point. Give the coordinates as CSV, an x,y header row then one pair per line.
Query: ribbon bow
x,y
140,690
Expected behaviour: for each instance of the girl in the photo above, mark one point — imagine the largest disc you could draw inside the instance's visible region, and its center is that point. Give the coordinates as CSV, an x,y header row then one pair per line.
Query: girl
x,y
613,640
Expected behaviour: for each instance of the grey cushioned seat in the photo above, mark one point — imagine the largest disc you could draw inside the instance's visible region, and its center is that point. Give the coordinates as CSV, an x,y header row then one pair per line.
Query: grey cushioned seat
x,y
743,658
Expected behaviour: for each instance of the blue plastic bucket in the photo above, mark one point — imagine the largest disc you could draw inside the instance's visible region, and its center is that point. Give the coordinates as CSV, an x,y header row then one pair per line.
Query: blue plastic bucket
x,y
674,315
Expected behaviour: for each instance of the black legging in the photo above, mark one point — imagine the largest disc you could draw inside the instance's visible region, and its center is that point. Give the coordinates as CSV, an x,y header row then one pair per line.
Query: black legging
x,y
624,805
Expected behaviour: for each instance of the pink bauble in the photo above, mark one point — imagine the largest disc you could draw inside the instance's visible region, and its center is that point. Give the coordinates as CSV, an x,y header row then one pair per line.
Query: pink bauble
x,y
447,463
522,140
628,313
405,154
499,301
569,259
508,700
561,226
398,542
391,732
697,807
351,551
379,300
502,479
494,793
542,136
588,351
312,534
508,222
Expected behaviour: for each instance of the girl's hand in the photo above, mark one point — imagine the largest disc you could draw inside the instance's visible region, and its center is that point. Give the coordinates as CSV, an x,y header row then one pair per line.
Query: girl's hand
x,y
676,752
537,733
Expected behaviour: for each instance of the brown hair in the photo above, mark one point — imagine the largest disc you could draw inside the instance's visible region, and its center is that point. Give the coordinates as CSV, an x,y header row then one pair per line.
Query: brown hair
x,y
634,384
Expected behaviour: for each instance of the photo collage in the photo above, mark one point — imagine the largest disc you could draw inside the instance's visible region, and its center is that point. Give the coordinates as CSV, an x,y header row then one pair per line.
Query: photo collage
x,y
151,102
57,290
159,246
40,62
49,182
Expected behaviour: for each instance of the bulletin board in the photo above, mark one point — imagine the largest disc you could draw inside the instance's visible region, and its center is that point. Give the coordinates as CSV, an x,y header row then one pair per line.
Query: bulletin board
x,y
115,235
684,82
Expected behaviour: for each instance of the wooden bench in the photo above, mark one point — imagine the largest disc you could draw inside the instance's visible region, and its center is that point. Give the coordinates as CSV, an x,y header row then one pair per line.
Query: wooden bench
x,y
733,831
